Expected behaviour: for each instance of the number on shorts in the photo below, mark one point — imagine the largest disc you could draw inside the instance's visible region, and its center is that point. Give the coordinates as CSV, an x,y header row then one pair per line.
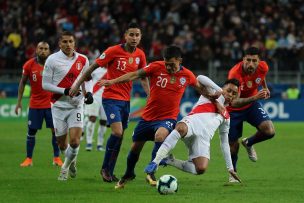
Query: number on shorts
x,y
262,111
78,115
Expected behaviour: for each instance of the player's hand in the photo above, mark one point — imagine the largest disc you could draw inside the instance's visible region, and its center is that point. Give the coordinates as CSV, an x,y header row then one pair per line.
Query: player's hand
x,y
267,93
88,99
67,92
233,174
262,94
105,83
73,91
222,110
18,109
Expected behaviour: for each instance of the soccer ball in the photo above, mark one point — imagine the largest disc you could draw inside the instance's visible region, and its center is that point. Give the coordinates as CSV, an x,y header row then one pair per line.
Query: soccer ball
x,y
167,184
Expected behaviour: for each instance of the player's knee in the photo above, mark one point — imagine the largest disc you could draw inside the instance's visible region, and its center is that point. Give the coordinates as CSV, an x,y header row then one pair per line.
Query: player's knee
x,y
103,122
182,129
31,131
74,144
200,170
92,119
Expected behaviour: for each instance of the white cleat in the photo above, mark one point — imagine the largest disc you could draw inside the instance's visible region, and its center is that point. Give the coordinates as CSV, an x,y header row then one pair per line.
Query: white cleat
x,y
232,179
63,176
250,150
73,169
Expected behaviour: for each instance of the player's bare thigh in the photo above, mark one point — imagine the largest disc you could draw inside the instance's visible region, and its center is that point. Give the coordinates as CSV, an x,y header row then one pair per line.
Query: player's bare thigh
x,y
182,128
266,127
117,129
201,164
62,142
161,134
75,134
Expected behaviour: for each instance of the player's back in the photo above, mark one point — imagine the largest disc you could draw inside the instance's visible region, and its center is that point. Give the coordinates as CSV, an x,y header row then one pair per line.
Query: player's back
x,y
39,98
166,91
119,62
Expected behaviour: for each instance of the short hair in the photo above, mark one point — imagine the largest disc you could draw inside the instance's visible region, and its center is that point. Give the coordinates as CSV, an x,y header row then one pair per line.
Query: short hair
x,y
66,33
133,25
233,81
252,51
172,51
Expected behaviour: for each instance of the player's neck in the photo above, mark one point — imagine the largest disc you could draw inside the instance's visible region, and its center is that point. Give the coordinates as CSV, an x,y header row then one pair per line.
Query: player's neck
x,y
129,48
40,61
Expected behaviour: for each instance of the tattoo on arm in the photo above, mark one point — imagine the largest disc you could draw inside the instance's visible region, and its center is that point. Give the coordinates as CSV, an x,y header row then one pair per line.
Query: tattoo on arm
x,y
141,73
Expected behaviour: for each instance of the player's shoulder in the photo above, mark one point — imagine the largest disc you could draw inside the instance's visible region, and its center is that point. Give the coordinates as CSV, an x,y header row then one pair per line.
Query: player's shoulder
x,y
235,70
83,56
29,63
263,66
140,51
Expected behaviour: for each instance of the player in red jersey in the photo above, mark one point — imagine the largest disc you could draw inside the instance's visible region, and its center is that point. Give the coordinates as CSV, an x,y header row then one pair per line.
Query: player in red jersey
x,y
118,60
40,103
168,82
251,73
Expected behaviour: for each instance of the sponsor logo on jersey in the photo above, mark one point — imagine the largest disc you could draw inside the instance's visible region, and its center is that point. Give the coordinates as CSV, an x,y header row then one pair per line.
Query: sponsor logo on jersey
x,y
182,80
249,84
102,56
131,60
112,115
258,80
137,60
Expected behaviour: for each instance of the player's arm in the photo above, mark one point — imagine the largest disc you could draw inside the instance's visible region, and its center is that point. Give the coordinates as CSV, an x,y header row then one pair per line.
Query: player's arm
x,y
145,84
47,81
239,102
84,77
265,87
124,78
22,84
223,133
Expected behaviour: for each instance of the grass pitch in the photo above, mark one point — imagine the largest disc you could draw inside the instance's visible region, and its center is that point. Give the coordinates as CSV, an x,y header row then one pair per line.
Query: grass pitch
x,y
276,177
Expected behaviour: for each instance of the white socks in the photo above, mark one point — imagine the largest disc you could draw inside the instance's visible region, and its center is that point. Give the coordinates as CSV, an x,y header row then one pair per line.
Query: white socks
x,y
71,155
167,146
101,132
90,132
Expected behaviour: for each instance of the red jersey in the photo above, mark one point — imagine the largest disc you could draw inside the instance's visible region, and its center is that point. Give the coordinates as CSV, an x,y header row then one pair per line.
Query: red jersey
x,y
166,91
248,83
40,98
119,62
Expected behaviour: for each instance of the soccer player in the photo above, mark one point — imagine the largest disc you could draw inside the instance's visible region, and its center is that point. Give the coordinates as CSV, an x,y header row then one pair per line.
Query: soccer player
x,y
40,103
118,60
168,81
60,72
251,73
95,110
197,129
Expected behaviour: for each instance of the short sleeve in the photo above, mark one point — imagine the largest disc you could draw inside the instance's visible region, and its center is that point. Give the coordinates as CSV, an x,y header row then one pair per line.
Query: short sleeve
x,y
106,57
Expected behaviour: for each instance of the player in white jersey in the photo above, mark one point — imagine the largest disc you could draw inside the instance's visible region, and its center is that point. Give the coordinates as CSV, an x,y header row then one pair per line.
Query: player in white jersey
x,y
197,130
60,72
95,110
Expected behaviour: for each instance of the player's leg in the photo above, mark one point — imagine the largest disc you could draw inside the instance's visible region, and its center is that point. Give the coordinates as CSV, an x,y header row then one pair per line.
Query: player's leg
x,y
117,115
259,118
90,129
49,124
35,119
102,128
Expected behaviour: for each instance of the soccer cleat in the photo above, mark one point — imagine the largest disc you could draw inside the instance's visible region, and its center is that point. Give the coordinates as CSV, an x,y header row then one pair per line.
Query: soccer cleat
x,y
232,179
27,162
114,178
64,173
73,169
121,183
250,150
89,147
100,148
151,179
151,168
106,175
57,161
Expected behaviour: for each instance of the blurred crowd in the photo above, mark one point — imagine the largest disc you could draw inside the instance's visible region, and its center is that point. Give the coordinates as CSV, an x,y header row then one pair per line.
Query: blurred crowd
x,y
207,30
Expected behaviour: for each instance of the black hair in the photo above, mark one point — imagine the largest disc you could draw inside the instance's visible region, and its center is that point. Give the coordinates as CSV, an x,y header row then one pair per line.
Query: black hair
x,y
172,51
133,25
233,81
252,51
66,33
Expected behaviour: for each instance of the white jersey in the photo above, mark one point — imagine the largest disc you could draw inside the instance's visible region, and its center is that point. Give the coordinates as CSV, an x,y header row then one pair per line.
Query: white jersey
x,y
98,74
61,72
203,121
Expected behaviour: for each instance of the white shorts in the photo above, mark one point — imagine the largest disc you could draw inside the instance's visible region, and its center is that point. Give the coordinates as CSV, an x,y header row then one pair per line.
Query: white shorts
x,y
64,119
201,128
95,109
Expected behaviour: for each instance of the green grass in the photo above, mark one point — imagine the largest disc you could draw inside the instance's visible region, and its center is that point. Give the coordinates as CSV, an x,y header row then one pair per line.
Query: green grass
x,y
276,177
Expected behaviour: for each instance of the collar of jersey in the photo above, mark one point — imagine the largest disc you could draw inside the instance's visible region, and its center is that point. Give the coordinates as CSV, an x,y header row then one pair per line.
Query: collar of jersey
x,y
66,57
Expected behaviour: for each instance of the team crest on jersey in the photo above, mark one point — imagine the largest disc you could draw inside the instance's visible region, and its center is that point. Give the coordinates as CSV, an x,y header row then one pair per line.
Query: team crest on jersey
x,y
137,60
102,56
182,80
112,115
78,65
173,80
258,80
249,84
131,60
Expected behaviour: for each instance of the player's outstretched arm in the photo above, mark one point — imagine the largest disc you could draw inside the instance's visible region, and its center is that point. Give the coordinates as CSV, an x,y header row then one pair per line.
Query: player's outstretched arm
x,y
124,78
239,102
22,83
85,76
